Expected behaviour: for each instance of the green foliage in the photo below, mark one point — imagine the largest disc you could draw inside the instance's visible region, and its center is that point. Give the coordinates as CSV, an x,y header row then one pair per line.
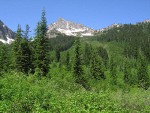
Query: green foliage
x,y
17,49
62,42
41,47
133,101
22,51
143,78
97,68
104,55
127,72
77,67
26,53
85,102
21,93
113,70
87,54
135,37
5,60
68,66
57,54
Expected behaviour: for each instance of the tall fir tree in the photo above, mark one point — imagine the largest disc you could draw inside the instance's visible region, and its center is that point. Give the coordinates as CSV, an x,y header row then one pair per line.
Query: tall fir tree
x,y
32,45
41,48
26,52
17,49
77,67
22,51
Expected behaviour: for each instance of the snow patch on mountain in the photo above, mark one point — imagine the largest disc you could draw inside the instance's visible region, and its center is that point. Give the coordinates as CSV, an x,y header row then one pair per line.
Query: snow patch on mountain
x,y
87,34
4,26
8,41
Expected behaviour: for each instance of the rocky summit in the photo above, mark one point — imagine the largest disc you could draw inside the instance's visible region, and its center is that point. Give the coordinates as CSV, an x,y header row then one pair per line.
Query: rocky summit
x,y
68,28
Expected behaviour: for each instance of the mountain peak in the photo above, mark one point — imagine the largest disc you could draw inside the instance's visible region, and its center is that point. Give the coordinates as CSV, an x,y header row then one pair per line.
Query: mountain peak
x,y
6,34
70,28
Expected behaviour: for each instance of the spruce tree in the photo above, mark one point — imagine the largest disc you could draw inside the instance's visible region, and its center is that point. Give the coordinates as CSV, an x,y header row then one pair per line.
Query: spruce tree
x,y
22,51
77,67
41,48
17,49
26,52
33,57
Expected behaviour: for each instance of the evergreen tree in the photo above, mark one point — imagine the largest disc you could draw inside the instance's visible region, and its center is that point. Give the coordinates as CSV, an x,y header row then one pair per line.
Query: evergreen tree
x,y
17,49
41,48
68,61
97,67
77,67
57,54
143,78
4,59
26,33
113,71
127,72
26,52
87,54
104,55
22,51
33,56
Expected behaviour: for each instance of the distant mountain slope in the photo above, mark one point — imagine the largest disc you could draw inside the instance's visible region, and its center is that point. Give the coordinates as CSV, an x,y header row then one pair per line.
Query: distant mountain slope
x,y
125,29
68,28
118,26
6,34
135,38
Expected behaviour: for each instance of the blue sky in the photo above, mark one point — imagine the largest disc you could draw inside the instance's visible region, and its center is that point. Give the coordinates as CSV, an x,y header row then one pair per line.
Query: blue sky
x,y
92,13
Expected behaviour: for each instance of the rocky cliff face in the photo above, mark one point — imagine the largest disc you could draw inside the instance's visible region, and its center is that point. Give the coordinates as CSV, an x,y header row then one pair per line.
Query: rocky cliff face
x,y
6,34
